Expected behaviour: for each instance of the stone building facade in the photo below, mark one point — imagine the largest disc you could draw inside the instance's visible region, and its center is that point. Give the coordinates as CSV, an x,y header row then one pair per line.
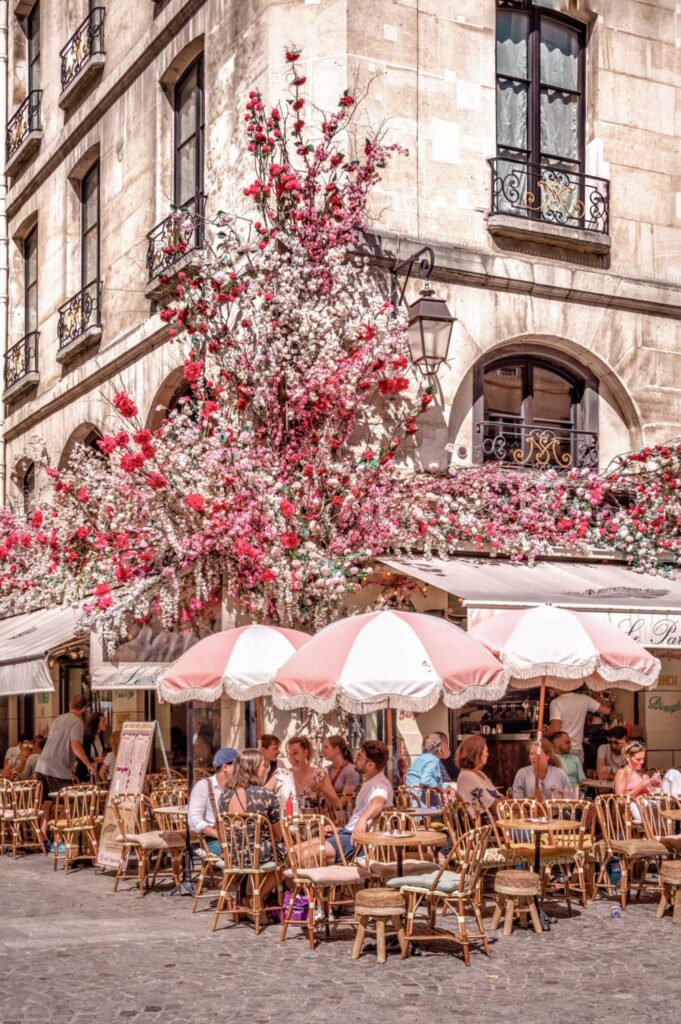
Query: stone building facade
x,y
544,169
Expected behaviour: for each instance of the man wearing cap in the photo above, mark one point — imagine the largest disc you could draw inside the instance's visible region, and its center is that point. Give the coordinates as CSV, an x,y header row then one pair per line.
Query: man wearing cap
x,y
202,810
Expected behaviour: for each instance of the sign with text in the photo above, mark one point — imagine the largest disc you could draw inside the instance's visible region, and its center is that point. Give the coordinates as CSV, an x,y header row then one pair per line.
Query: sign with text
x,y
127,781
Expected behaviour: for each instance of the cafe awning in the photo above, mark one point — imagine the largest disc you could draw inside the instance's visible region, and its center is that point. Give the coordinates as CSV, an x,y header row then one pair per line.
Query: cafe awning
x,y
25,641
645,606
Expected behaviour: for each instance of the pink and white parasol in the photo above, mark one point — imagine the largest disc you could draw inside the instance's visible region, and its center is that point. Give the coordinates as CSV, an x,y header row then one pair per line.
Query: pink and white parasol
x,y
240,662
388,659
566,648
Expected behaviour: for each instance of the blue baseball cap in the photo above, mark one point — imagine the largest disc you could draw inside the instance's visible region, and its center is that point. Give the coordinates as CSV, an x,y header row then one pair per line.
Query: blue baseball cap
x,y
225,755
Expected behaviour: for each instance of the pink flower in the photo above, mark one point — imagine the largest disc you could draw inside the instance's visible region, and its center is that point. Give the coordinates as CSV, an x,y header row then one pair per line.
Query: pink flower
x,y
290,540
54,473
286,507
107,444
193,370
82,494
196,502
101,589
125,405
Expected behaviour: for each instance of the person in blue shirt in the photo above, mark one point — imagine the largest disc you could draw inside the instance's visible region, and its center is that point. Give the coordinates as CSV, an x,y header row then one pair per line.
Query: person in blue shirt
x,y
426,770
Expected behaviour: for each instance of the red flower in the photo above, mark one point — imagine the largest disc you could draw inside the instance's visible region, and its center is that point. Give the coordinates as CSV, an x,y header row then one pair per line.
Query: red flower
x,y
125,405
156,480
37,519
121,439
142,437
196,501
292,55
346,101
367,455
101,589
52,472
266,576
290,540
193,370
107,444
129,463
286,508
82,494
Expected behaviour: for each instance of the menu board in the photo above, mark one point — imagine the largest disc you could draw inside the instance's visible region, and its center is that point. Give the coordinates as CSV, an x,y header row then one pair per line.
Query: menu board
x,y
127,781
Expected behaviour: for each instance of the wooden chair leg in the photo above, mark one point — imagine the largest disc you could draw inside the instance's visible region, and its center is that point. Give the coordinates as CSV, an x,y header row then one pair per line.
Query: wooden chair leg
x,y
508,918
380,940
401,937
534,916
664,900
481,928
624,883
676,905
312,907
497,915
362,922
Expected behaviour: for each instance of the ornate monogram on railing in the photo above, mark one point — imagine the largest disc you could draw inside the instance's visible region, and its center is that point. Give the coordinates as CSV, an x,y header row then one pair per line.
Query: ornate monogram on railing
x,y
86,41
23,122
175,236
566,198
79,314
21,359
538,447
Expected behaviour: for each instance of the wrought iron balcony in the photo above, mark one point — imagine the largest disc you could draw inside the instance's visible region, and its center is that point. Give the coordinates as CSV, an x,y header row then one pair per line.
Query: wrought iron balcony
x,y
21,365
83,56
80,322
24,131
536,447
564,201
175,237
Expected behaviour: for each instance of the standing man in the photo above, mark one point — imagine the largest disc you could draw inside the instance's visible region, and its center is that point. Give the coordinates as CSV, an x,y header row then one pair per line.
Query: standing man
x,y
568,712
269,748
64,745
572,766
609,756
202,810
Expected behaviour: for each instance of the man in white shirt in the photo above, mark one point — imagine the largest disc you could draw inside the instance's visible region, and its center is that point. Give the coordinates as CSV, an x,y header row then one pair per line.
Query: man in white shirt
x,y
204,801
375,794
568,713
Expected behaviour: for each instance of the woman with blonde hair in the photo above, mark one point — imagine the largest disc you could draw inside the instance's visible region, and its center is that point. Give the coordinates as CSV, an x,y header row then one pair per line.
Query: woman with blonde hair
x,y
306,783
628,780
473,786
247,793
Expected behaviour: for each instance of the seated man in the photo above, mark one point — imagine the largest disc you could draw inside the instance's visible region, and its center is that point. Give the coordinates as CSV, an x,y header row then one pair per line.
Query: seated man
x,y
375,794
569,762
609,756
202,810
426,770
269,748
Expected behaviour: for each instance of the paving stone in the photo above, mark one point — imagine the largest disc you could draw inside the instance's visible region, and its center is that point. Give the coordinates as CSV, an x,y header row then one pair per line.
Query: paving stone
x,y
72,952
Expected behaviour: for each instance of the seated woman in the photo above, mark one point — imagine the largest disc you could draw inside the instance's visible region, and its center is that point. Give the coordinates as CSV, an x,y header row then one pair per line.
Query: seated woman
x,y
305,783
343,775
629,781
553,781
246,793
475,788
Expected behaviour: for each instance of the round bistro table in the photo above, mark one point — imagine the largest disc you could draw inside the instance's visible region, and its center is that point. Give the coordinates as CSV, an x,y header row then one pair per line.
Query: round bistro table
x,y
399,841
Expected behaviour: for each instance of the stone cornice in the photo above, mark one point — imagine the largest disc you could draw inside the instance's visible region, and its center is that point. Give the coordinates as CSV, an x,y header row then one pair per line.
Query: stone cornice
x,y
531,276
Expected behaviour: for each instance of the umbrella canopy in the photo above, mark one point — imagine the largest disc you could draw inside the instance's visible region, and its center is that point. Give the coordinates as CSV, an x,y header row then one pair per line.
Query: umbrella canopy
x,y
566,649
388,659
240,662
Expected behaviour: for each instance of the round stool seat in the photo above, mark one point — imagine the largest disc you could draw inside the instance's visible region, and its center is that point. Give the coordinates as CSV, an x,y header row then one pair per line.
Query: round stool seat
x,y
367,900
517,883
670,872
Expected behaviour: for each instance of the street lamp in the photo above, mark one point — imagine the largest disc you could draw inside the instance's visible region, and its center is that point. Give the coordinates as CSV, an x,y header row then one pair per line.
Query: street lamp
x,y
430,322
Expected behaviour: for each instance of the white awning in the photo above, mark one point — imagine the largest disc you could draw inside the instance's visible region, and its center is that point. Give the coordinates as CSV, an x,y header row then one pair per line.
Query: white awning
x,y
25,641
645,606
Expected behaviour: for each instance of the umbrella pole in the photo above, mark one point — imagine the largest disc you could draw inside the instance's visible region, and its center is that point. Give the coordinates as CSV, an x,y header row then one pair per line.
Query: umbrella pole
x,y
390,730
187,887
540,729
258,721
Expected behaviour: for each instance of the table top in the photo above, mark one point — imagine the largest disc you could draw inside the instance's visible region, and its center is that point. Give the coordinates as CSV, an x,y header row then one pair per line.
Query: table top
x,y
672,815
597,783
423,812
419,837
180,809
535,825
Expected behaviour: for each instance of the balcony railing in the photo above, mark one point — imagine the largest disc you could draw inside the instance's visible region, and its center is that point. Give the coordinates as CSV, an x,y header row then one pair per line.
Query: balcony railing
x,y
85,43
171,240
563,198
537,447
80,317
23,122
21,362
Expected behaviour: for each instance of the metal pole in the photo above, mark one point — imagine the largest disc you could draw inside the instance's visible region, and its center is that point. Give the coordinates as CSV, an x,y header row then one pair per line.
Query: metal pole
x,y
4,251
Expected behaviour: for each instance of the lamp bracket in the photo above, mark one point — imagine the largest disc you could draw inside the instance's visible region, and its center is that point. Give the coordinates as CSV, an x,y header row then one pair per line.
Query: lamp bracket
x,y
424,258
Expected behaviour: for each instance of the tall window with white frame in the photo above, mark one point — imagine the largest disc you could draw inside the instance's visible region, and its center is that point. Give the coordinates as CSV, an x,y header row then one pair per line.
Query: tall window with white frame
x,y
33,33
89,228
189,139
30,253
541,114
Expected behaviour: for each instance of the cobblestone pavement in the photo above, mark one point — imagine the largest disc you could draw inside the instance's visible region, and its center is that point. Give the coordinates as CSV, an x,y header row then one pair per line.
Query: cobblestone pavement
x,y
71,952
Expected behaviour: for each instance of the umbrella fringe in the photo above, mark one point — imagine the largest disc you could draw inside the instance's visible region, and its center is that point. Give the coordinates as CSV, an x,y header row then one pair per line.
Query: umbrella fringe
x,y
397,702
630,675
239,692
554,670
204,693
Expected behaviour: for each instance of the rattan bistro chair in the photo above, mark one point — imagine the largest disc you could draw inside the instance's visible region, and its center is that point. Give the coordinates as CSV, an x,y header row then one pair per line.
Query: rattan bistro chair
x,y
451,888
655,825
242,838
615,820
147,848
23,816
75,824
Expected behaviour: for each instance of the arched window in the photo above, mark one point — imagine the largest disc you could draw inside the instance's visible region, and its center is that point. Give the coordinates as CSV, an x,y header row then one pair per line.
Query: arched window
x,y
27,484
537,412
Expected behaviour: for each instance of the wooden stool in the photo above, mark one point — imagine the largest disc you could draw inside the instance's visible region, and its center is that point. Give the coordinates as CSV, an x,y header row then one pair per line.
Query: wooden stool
x,y
516,891
383,905
670,883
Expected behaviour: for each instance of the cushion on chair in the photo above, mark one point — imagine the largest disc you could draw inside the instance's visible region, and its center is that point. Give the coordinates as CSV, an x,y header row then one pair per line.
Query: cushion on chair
x,y
383,869
639,848
157,840
449,882
496,858
334,874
